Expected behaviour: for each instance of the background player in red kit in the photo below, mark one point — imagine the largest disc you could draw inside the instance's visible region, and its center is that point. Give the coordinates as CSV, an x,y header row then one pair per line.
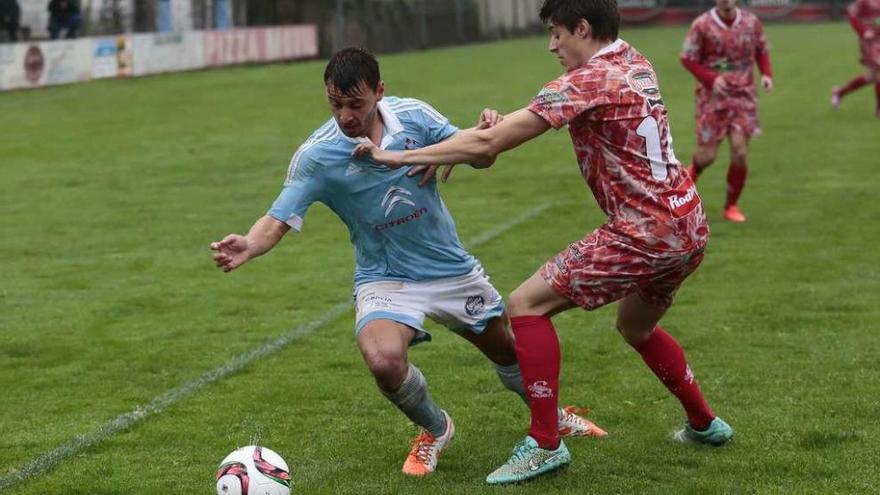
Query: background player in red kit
x,y
654,237
720,50
864,15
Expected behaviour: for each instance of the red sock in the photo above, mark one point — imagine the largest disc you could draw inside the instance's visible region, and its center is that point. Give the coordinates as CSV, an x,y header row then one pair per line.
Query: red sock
x,y
853,85
537,350
877,93
662,353
736,181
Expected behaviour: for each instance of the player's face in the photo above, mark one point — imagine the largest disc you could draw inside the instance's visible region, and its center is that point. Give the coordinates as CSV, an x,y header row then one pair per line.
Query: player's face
x,y
356,112
570,48
725,5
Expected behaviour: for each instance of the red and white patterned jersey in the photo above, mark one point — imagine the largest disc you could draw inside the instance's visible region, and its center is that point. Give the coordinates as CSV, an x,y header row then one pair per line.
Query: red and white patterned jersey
x,y
867,12
620,132
730,51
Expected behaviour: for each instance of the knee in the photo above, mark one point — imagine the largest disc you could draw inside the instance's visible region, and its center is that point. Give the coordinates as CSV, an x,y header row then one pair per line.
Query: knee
x,y
519,305
633,334
703,157
389,371
739,154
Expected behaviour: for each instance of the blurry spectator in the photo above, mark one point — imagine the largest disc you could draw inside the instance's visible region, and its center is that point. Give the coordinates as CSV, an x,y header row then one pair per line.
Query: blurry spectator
x,y
63,15
9,16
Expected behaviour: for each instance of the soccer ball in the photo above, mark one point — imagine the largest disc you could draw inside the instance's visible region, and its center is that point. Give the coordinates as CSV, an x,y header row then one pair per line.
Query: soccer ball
x,y
253,470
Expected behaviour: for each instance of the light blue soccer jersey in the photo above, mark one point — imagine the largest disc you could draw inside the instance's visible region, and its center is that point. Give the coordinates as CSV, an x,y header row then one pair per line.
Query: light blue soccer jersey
x,y
399,231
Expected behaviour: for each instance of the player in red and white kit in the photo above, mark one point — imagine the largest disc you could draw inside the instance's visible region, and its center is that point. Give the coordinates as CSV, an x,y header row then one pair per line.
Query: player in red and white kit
x,y
653,239
720,50
864,15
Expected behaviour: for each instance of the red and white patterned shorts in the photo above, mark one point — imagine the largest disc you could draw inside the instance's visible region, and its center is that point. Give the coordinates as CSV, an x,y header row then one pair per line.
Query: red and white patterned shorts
x,y
714,124
601,268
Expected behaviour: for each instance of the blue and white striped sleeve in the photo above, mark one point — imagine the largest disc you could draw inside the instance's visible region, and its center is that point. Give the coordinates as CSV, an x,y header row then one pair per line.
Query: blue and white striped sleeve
x,y
302,187
436,126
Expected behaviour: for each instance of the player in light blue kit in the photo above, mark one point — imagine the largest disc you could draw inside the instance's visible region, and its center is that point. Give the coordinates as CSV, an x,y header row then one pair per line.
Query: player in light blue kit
x,y
410,262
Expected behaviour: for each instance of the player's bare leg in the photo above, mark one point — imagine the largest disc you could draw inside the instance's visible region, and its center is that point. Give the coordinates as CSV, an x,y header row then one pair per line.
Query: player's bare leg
x,y
384,345
874,76
496,343
704,155
838,92
736,176
637,322
537,348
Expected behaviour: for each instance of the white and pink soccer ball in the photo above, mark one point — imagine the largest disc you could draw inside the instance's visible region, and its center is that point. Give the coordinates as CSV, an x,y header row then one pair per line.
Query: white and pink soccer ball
x,y
253,470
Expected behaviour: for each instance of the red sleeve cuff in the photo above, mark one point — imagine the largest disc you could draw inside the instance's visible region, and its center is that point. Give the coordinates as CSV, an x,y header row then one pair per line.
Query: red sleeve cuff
x,y
705,75
763,59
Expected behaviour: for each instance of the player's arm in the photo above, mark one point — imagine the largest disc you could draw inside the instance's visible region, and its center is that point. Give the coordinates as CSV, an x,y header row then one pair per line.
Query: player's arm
x,y
705,75
488,118
762,57
303,185
853,13
478,147
691,58
235,250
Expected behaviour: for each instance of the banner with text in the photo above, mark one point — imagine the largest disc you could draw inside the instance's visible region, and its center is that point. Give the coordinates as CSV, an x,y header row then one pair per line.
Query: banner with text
x,y
260,44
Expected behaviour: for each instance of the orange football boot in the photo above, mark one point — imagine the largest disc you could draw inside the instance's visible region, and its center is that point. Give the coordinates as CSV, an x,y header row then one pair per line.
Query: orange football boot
x,y
732,214
573,424
426,450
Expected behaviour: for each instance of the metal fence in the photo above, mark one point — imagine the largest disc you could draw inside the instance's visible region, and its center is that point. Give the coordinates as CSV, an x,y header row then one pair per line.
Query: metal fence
x,y
394,25
390,25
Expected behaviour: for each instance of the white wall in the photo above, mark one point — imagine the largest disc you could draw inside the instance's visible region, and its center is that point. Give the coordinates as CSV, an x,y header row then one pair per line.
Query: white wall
x,y
508,15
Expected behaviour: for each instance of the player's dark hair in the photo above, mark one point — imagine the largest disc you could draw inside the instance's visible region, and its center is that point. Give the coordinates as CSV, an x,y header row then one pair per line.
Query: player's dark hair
x,y
349,67
603,16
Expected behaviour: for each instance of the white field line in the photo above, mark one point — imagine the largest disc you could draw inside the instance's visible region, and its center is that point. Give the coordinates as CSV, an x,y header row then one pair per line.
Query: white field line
x,y
46,461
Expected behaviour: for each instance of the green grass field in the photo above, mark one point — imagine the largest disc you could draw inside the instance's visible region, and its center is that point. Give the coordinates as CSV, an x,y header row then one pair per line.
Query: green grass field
x,y
111,192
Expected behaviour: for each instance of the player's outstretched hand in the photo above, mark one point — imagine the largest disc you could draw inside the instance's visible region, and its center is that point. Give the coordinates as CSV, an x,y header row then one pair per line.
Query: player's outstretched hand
x,y
390,159
489,118
428,172
767,83
231,252
447,173
870,34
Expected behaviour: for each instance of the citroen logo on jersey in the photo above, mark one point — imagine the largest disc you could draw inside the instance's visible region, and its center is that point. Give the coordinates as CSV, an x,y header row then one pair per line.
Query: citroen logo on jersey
x,y
394,196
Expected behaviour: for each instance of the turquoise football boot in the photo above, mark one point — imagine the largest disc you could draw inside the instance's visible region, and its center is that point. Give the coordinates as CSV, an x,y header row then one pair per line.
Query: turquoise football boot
x,y
718,433
528,461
